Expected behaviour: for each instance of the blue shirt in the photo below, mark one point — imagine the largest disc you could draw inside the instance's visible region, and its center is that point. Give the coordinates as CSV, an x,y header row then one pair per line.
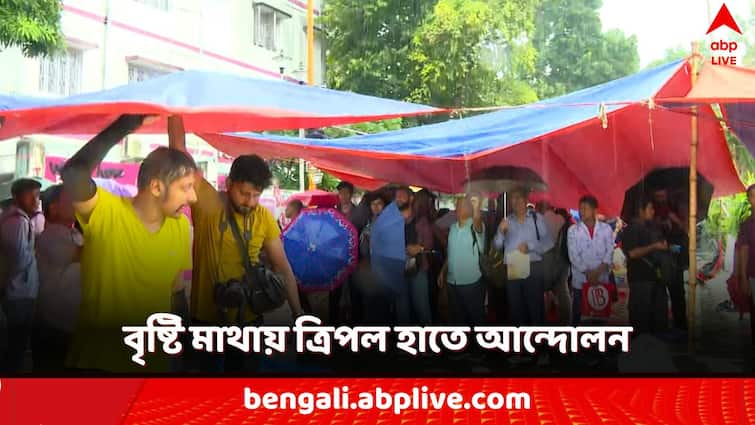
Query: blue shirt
x,y
463,254
519,233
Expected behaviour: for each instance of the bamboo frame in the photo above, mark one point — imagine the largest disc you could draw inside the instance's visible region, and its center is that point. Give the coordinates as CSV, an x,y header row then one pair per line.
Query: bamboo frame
x,y
691,307
311,42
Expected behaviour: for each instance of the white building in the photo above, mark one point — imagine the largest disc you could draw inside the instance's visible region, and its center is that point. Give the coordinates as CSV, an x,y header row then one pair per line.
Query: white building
x,y
113,42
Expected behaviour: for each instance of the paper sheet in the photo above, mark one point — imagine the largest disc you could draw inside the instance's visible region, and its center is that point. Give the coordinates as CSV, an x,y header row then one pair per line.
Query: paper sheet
x,y
517,265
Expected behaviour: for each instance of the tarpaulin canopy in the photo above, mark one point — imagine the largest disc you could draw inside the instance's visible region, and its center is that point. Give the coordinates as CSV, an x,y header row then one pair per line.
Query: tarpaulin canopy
x,y
731,87
207,101
599,140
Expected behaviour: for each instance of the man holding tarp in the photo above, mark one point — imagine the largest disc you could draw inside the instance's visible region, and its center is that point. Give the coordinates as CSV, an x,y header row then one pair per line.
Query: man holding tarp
x,y
135,250
224,225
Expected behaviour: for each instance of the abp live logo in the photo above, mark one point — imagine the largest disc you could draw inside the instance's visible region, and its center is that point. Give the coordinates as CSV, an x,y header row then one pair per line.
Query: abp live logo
x,y
722,51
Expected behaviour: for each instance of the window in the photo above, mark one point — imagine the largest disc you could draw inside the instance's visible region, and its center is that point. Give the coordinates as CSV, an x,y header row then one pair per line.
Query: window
x,y
142,73
61,74
164,5
270,26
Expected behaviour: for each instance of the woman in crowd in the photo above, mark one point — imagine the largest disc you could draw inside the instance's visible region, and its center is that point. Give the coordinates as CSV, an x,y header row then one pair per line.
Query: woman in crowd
x,y
646,252
419,291
367,297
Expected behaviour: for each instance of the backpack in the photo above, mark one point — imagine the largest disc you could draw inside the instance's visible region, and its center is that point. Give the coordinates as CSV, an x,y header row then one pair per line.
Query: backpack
x,y
562,242
492,264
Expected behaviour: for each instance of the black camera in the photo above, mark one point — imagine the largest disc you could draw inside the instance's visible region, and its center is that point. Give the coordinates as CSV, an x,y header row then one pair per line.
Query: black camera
x,y
230,294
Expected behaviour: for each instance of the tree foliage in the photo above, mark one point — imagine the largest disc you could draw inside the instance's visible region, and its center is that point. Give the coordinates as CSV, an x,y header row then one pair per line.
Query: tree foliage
x,y
466,53
32,25
369,44
748,36
671,54
453,54
286,171
364,128
432,51
574,52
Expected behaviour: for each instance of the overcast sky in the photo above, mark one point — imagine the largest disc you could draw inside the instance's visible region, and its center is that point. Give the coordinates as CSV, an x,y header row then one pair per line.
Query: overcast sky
x,y
660,24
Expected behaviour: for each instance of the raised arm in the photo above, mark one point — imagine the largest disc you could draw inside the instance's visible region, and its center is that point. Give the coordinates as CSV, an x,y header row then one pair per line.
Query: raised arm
x,y
77,172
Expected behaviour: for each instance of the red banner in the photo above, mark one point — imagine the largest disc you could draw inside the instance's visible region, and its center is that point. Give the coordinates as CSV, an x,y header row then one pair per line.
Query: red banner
x,y
123,173
368,401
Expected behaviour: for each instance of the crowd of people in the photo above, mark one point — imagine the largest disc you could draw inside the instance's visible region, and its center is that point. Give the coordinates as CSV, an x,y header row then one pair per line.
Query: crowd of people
x,y
104,261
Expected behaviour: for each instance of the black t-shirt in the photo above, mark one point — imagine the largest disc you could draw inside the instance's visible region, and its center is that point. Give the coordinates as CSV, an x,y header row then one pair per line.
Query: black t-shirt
x,y
638,235
358,216
411,237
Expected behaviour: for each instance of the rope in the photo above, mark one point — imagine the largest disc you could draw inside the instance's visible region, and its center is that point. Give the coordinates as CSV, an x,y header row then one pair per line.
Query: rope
x,y
603,116
351,130
542,106
650,124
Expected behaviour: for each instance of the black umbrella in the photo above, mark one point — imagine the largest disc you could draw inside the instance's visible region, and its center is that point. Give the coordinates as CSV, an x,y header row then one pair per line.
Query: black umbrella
x,y
500,179
676,182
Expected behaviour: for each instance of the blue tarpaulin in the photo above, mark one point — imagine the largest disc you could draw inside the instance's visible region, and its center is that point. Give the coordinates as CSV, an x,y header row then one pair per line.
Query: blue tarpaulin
x,y
497,130
599,140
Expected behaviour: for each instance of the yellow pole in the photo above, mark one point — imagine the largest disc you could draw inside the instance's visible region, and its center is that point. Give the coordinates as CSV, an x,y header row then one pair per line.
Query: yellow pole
x,y
694,70
311,42
310,74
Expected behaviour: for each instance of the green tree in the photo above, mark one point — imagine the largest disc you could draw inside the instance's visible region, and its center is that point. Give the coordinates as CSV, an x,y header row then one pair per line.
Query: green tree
x,y
432,51
286,171
671,54
747,25
32,25
364,128
369,44
574,52
451,54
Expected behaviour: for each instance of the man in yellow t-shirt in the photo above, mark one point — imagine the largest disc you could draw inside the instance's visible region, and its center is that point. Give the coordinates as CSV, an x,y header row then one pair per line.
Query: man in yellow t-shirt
x,y
135,250
217,257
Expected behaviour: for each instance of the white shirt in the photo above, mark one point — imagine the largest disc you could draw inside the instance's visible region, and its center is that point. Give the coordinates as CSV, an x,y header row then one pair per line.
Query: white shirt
x,y
60,276
588,253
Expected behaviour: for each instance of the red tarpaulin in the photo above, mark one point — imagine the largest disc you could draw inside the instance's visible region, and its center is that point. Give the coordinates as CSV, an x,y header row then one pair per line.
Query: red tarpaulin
x,y
207,101
721,83
733,88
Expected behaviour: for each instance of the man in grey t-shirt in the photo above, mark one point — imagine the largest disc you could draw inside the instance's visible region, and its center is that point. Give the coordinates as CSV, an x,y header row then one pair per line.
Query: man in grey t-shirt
x,y
20,279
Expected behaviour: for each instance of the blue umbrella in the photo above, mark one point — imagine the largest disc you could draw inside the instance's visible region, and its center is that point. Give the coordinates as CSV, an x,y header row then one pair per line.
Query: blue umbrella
x,y
321,246
388,248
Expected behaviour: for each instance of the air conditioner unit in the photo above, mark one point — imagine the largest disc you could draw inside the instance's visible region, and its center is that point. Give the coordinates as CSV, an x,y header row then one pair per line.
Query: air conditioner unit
x,y
132,149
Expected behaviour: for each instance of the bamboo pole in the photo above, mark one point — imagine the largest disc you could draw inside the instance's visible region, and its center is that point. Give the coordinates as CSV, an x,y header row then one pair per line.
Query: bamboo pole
x,y
311,42
694,61
176,132
309,185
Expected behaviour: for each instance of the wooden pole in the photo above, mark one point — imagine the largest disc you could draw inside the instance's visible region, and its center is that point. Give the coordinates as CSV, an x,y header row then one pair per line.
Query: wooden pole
x,y
308,185
176,132
691,307
311,42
